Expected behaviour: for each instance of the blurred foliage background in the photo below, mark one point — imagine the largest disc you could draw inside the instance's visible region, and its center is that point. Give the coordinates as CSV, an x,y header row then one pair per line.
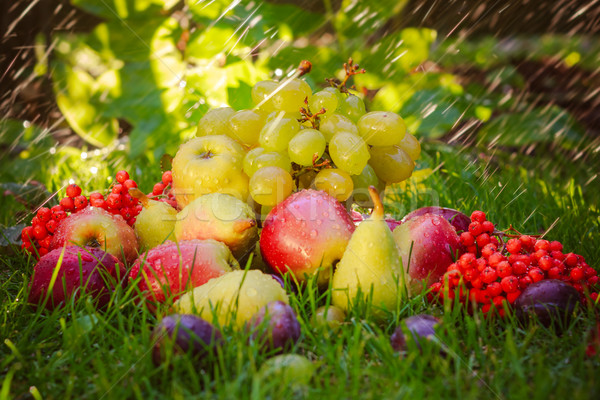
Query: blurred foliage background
x,y
89,87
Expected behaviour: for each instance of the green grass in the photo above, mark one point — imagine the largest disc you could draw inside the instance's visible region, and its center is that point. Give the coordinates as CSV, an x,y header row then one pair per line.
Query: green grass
x,y
78,352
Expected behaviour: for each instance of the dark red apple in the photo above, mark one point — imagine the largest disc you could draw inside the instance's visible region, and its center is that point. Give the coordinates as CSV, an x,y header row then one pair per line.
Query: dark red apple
x,y
305,235
96,227
427,244
457,219
82,270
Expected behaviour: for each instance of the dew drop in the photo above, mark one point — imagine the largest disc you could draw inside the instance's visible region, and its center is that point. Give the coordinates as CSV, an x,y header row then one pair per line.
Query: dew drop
x,y
313,234
251,292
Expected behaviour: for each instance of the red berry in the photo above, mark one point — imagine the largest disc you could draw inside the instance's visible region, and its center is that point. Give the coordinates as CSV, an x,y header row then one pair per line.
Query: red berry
x,y
495,259
118,189
131,221
45,242
589,272
39,232
498,301
42,251
513,246
27,234
487,226
480,263
475,228
67,204
526,241
571,260
525,281
470,249
489,275
593,280
554,273
113,201
503,269
545,263
59,215
167,177
558,255
44,214
130,184
158,189
96,196
127,200
556,246
494,289
470,274
512,296
487,250
477,283
466,261
519,267
51,225
73,190
122,176
577,274
36,221
478,216
80,202
467,239
542,245
536,274
510,284
537,256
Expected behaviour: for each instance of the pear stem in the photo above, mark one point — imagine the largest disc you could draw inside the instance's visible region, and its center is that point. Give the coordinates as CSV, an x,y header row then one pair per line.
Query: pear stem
x,y
138,194
377,204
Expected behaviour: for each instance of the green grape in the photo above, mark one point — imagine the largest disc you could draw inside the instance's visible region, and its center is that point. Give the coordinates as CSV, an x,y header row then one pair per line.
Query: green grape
x,y
391,163
270,159
323,99
277,133
366,178
339,95
260,93
282,114
245,126
411,145
331,124
269,186
335,182
306,179
352,107
248,164
381,128
290,94
215,122
305,146
349,152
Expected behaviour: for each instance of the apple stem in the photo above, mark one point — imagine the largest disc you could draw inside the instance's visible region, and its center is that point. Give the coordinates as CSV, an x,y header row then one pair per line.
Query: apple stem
x,y
138,194
242,225
377,204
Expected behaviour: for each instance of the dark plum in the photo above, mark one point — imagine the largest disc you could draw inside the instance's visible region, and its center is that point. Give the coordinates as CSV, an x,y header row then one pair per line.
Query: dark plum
x,y
420,327
187,333
457,219
275,327
550,300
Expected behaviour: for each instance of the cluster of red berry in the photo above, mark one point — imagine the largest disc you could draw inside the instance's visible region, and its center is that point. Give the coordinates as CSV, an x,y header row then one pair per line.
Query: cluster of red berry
x,y
498,265
162,190
37,238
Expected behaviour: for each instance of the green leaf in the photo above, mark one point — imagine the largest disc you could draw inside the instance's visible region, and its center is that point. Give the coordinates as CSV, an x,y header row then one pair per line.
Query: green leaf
x,y
542,125
431,113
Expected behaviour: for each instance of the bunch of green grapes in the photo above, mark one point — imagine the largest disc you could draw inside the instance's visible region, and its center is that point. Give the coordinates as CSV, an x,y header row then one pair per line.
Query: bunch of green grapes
x,y
326,140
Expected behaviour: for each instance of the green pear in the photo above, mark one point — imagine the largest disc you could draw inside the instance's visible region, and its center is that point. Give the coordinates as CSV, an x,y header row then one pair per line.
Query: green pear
x,y
155,224
221,217
370,266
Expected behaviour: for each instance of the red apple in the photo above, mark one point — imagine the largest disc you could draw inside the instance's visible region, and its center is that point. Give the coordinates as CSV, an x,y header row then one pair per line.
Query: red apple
x,y
170,269
306,234
457,219
427,245
96,227
88,270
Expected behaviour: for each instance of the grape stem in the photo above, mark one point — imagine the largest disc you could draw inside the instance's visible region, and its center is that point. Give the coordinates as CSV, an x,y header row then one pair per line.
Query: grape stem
x,y
307,115
350,69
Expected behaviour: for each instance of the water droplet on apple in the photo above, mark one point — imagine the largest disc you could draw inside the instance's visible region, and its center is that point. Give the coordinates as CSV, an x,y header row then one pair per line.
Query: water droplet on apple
x,y
325,214
251,292
313,234
319,222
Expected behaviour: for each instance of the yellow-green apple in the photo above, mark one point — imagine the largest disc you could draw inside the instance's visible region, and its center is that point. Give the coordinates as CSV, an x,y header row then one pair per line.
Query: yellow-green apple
x,y
209,164
81,270
155,224
221,217
170,269
96,227
305,235
428,244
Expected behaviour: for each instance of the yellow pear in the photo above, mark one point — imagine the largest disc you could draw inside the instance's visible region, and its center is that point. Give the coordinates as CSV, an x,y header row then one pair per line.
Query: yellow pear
x,y
155,224
370,266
